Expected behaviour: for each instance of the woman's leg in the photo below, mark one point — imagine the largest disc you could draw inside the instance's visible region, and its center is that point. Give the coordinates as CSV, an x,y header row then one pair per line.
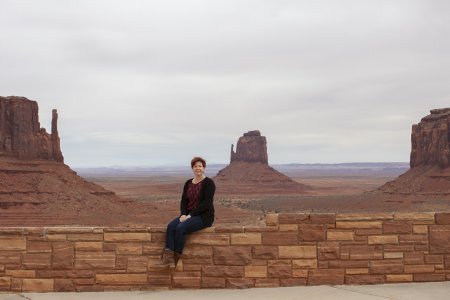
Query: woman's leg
x,y
190,225
170,233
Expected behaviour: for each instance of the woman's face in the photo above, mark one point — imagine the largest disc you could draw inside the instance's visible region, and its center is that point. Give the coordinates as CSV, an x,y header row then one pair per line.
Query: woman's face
x,y
198,169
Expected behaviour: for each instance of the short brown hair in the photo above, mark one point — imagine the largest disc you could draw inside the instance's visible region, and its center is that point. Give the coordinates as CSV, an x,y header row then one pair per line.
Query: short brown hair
x,y
198,159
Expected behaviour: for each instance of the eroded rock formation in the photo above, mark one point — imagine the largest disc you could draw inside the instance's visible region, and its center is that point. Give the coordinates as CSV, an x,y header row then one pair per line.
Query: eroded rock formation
x,y
429,161
249,171
251,147
37,188
430,140
20,133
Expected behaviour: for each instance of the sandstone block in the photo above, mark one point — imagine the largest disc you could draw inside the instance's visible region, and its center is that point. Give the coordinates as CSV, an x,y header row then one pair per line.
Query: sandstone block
x,y
359,224
340,264
64,285
56,237
364,216
340,235
288,227
310,263
137,264
83,236
357,271
38,246
198,252
297,251
366,252
434,259
271,219
265,252
382,239
392,227
240,283
186,280
151,249
21,273
5,283
386,267
245,238
329,250
129,248
429,277
279,268
442,218
416,217
279,238
37,285
399,278
413,258
62,255
420,229
223,271
129,279
159,279
312,232
232,255
256,271
296,273
127,237
208,239
318,277
213,283
267,282
228,229
65,273
388,255
439,239
419,268
36,260
10,258
88,246
95,260
16,284
364,279
18,244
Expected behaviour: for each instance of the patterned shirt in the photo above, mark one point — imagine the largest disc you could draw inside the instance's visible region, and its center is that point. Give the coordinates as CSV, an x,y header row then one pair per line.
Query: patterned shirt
x,y
193,193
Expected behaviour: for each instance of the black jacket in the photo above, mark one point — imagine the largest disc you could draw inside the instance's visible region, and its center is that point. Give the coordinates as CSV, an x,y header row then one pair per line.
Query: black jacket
x,y
205,208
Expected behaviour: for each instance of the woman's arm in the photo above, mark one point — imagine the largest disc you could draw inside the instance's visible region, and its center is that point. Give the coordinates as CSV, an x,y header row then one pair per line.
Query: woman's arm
x,y
207,201
183,202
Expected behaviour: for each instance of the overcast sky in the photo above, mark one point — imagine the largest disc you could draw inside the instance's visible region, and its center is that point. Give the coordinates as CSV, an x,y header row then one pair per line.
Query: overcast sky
x,y
157,82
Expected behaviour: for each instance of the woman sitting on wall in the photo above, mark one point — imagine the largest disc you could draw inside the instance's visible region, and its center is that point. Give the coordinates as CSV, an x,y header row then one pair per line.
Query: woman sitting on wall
x,y
196,212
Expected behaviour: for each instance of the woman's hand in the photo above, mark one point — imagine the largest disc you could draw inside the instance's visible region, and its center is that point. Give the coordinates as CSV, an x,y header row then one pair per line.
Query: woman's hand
x,y
184,218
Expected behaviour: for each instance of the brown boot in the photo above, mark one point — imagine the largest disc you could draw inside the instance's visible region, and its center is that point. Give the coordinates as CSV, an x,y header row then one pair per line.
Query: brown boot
x,y
167,260
177,257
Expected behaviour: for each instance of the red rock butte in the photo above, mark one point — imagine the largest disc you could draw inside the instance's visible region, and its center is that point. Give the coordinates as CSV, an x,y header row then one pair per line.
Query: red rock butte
x,y
37,188
249,171
429,172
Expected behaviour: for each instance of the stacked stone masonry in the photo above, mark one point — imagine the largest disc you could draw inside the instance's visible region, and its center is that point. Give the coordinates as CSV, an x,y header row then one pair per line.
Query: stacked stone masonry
x,y
292,249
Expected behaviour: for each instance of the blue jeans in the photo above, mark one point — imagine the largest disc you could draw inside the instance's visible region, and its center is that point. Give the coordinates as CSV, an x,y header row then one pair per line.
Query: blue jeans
x,y
176,232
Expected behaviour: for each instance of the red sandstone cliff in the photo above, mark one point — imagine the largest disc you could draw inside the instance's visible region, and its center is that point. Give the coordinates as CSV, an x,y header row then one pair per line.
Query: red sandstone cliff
x,y
20,133
430,168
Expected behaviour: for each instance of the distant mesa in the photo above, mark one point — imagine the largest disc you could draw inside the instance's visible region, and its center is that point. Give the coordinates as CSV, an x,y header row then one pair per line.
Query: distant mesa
x,y
249,171
429,171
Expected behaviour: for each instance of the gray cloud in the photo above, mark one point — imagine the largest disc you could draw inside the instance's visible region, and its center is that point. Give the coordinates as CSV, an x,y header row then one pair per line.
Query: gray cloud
x,y
155,82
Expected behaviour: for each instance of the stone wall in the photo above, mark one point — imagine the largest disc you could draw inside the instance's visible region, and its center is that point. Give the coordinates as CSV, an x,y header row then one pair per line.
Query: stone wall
x,y
292,249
